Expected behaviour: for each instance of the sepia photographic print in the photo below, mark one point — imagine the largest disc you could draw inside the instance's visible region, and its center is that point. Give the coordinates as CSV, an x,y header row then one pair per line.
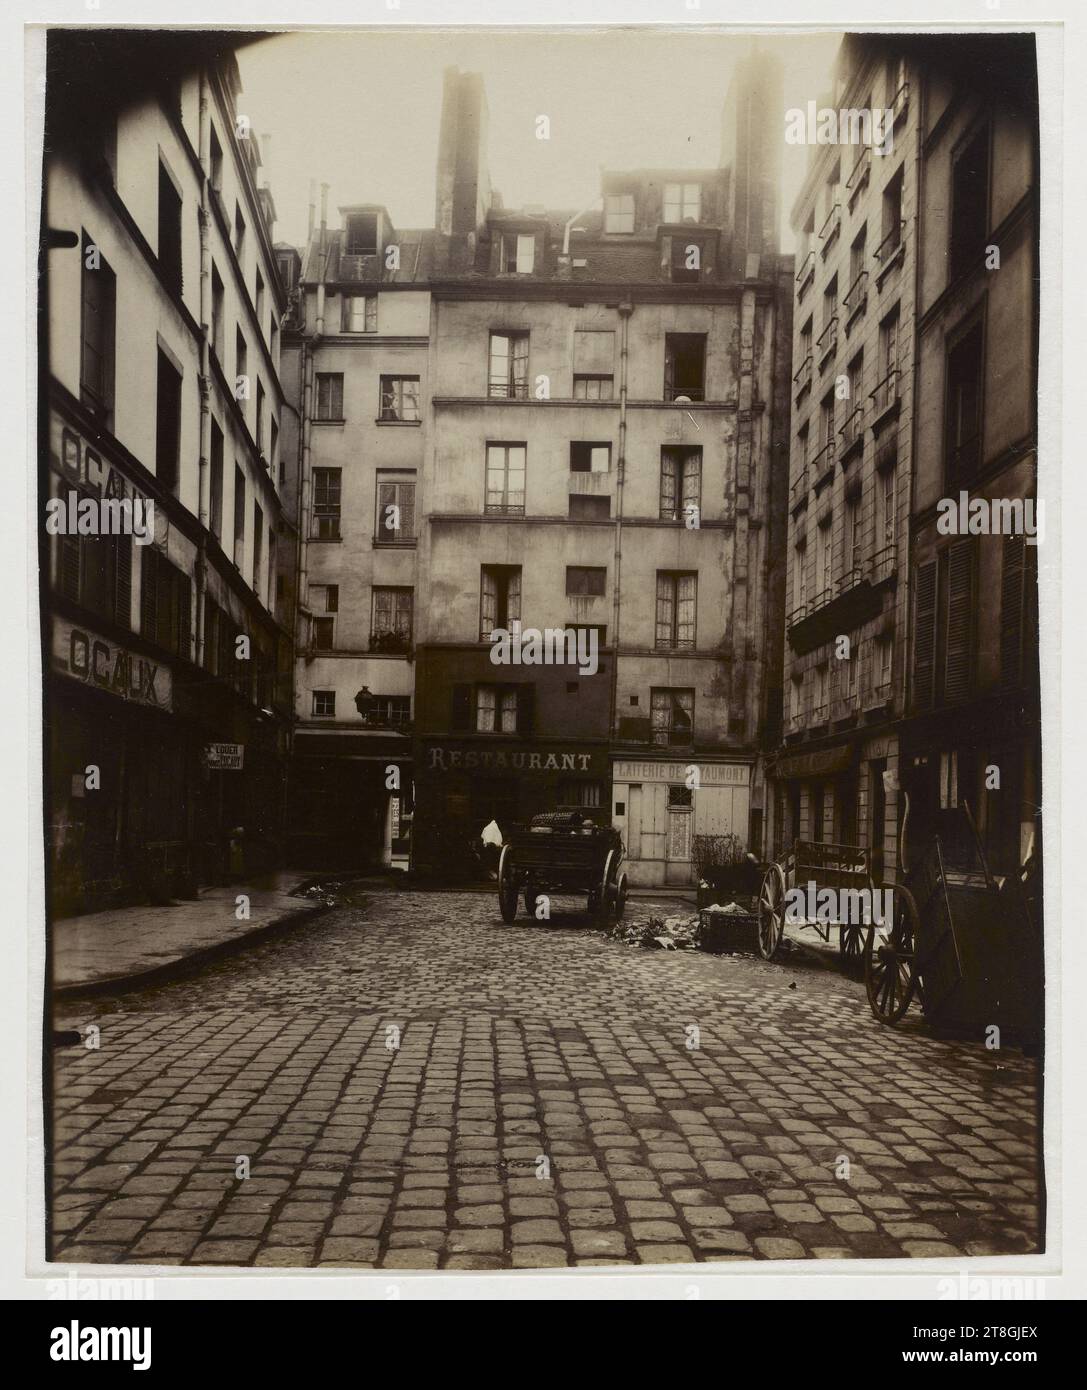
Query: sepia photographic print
x,y
540,543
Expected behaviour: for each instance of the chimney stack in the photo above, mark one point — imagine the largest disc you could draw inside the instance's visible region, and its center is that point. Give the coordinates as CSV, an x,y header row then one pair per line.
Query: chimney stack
x,y
752,134
463,188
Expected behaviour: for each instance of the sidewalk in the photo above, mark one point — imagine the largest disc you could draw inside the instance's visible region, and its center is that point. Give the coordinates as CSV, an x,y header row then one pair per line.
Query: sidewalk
x,y
116,949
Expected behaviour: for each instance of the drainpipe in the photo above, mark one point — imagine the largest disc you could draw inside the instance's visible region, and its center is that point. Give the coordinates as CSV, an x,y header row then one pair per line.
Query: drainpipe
x,y
204,482
626,309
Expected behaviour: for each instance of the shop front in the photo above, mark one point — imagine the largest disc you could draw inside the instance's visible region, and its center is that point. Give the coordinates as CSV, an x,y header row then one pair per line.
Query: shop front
x,y
466,783
662,807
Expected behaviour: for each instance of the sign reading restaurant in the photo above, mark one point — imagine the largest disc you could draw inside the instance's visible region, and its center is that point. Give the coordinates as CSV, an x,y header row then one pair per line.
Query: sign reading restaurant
x,y
709,774
109,667
467,759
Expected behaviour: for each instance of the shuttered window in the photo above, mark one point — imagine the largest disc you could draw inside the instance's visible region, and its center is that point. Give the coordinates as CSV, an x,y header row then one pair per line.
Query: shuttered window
x,y
165,603
924,642
959,644
96,573
1018,611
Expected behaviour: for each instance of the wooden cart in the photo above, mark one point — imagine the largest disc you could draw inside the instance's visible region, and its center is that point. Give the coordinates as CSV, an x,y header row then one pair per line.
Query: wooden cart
x,y
563,852
846,869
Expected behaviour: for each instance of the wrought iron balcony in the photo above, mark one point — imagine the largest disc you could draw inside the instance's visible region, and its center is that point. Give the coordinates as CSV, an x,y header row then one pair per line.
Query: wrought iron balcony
x,y
831,227
827,340
884,563
885,395
899,102
806,274
798,492
856,296
860,173
803,375
824,460
852,432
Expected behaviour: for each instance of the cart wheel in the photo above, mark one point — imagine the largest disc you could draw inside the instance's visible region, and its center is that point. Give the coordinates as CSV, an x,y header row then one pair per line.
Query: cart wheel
x,y
771,911
620,897
890,958
531,899
850,944
507,886
605,894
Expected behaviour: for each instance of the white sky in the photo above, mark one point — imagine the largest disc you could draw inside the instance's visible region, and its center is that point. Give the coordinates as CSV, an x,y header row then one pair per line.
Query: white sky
x,y
360,110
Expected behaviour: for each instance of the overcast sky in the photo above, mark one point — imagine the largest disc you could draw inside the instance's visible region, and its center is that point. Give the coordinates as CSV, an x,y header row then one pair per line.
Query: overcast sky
x,y
360,111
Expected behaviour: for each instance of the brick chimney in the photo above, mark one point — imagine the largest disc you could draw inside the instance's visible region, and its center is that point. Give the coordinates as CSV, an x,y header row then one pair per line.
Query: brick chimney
x,y
463,187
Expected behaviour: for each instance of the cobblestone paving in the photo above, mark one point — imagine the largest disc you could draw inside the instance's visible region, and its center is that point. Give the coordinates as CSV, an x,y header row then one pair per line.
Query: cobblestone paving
x,y
545,1107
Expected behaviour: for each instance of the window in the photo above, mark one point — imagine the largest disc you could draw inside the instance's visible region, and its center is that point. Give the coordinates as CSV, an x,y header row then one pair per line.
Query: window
x,y
590,458
96,572
1018,611
824,556
324,634
260,416
272,576
619,213
588,795
239,231
273,338
361,234
273,447
684,366
969,201
508,365
682,202
215,505
359,313
820,693
505,484
165,603
830,301
884,659
239,516
216,314
496,709
258,545
857,255
499,598
583,507
891,225
258,300
855,376
592,388
888,345
400,398
671,716
98,319
391,623
395,507
964,386
681,483
169,243
328,596
391,710
241,360
885,485
324,704
686,260
851,557
805,340
329,396
800,578
517,254
586,581
675,626
326,504
944,615
216,162
826,421
167,423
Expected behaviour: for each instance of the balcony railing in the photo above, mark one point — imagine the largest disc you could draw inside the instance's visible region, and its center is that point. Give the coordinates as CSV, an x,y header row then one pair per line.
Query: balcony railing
x,y
806,274
856,296
803,375
884,562
831,226
360,268
885,394
860,173
827,340
851,578
852,432
798,492
824,459
888,248
899,102
682,393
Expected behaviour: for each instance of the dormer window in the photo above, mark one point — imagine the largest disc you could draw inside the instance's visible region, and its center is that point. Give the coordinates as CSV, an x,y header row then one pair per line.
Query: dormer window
x,y
361,237
619,213
517,254
682,202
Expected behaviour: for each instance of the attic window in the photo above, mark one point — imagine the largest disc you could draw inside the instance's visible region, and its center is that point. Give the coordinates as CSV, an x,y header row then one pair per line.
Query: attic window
x,y
361,237
619,213
517,255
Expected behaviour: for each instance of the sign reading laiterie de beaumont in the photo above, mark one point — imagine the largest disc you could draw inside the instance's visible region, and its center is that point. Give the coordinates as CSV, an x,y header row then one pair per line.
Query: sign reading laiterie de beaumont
x,y
84,655
709,774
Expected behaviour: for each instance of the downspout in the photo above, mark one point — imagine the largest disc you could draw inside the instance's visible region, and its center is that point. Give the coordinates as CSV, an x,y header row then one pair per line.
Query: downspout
x,y
204,480
626,309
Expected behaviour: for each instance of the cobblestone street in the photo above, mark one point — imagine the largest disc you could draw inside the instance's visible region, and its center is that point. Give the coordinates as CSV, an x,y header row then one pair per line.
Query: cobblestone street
x,y
554,1099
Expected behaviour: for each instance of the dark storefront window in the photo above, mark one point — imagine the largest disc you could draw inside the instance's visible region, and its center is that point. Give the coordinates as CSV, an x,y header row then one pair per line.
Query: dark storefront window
x,y
165,604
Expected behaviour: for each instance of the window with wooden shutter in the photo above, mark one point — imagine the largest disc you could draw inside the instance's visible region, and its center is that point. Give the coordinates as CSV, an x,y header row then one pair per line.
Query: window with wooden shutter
x,y
122,580
924,642
959,644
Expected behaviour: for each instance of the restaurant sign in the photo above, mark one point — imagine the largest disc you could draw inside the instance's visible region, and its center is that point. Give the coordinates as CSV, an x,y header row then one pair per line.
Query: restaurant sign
x,y
519,759
84,655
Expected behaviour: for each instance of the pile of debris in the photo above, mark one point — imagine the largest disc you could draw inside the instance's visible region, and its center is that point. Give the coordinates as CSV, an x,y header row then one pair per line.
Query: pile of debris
x,y
658,933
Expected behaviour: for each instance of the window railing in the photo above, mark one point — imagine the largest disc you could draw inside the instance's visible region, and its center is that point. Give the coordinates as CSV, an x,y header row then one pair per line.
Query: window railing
x,y
860,171
887,248
390,641
884,562
354,266
853,576
827,340
900,101
691,393
853,430
885,394
806,273
856,294
831,226
803,375
824,458
799,489
511,390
